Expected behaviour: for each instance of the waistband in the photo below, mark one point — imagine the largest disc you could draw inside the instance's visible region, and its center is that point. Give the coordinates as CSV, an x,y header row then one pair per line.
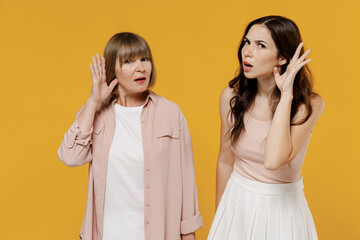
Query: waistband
x,y
267,188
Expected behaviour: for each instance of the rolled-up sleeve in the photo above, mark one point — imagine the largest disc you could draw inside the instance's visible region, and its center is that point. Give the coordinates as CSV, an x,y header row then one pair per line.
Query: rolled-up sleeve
x,y
75,149
191,218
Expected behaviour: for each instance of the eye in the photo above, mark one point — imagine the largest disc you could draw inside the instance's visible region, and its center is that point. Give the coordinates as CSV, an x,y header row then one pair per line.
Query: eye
x,y
261,45
246,42
127,61
144,59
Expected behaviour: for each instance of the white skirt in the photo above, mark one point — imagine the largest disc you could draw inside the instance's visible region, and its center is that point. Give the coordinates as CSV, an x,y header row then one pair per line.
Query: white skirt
x,y
251,210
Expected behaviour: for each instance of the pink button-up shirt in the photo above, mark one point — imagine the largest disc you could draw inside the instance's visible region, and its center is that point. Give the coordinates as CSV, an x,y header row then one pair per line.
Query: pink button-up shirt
x,y
170,194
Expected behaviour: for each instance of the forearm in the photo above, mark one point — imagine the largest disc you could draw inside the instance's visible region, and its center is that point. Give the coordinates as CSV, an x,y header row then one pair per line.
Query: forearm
x,y
75,149
223,173
278,144
190,236
87,115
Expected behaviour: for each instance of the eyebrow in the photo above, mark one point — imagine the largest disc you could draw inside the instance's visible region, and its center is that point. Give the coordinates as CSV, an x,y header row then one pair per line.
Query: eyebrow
x,y
257,41
260,41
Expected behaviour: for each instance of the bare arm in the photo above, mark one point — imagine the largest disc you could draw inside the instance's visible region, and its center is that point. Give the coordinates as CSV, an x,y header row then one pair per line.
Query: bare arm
x,y
284,141
190,236
225,163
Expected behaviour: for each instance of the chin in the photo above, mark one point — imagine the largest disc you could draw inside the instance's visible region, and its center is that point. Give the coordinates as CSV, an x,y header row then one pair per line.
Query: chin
x,y
142,89
249,76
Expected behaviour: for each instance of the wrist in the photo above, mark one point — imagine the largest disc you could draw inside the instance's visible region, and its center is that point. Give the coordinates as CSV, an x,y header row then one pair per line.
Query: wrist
x,y
287,95
92,103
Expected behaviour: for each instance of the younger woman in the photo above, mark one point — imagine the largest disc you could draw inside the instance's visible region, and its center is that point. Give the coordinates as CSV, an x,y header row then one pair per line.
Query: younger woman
x,y
267,112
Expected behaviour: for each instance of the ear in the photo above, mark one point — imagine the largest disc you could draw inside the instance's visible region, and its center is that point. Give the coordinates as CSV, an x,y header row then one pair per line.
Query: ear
x,y
282,61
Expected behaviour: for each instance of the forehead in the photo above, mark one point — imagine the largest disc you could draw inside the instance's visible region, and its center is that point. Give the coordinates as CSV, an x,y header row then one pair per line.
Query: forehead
x,y
259,32
133,49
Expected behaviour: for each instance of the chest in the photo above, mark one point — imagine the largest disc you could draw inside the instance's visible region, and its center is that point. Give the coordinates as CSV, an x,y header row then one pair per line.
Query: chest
x,y
252,141
155,136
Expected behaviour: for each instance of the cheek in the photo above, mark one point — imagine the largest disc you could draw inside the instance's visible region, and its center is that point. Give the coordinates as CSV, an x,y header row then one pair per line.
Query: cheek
x,y
117,72
269,62
148,68
125,71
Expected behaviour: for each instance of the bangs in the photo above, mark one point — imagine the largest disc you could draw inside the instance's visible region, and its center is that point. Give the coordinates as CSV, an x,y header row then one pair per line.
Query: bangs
x,y
133,48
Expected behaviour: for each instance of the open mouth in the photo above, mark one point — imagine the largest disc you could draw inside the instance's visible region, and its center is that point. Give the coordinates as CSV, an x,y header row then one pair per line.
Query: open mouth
x,y
140,79
247,64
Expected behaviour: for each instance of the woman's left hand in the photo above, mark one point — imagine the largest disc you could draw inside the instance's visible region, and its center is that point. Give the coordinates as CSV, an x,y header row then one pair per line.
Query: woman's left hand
x,y
285,81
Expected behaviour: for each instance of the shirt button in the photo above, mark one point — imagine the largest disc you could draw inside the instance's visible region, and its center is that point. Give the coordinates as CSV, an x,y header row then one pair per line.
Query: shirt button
x,y
148,170
147,187
147,222
148,205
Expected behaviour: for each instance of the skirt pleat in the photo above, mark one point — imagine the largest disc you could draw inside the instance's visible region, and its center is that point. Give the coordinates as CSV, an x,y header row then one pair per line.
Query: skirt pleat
x,y
251,210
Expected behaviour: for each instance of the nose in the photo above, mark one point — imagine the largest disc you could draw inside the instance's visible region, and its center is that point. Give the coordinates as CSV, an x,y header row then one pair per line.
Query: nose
x,y
140,66
247,51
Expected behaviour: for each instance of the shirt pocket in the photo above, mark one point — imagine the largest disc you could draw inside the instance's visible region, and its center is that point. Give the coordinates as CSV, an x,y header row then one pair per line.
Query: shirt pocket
x,y
166,148
167,132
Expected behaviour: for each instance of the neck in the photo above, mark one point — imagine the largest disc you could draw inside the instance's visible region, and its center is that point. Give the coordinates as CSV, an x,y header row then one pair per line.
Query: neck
x,y
132,100
265,86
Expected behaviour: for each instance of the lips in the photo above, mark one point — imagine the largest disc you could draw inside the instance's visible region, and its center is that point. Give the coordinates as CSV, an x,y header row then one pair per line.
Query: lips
x,y
140,79
247,66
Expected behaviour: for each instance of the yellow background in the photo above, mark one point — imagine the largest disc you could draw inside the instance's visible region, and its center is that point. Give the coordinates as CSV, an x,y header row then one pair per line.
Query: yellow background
x,y
45,48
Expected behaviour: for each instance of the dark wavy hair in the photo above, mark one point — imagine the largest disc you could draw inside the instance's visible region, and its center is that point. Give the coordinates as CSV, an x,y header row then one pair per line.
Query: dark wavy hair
x,y
286,36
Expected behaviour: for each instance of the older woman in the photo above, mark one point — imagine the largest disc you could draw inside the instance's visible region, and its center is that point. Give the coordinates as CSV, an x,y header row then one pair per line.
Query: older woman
x,y
141,172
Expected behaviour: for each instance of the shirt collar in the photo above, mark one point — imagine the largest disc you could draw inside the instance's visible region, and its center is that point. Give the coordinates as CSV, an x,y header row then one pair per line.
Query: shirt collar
x,y
151,96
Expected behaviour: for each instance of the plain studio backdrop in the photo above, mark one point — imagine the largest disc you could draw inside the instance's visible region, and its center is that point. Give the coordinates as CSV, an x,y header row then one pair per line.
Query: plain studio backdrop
x,y
46,47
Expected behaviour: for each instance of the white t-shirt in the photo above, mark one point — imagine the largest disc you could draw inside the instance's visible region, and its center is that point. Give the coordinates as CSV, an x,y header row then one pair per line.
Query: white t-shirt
x,y
124,194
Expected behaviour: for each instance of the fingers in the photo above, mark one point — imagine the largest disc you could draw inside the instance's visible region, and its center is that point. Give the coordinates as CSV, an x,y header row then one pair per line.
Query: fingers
x,y
297,52
96,68
301,61
98,63
103,71
92,71
113,84
276,72
300,65
304,55
103,64
297,62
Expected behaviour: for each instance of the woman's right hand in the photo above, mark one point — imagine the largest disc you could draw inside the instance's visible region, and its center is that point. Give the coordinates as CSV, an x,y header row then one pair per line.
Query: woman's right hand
x,y
100,90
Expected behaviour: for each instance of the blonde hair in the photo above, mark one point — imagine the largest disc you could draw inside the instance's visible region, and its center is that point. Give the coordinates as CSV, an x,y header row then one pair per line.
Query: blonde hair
x,y
123,46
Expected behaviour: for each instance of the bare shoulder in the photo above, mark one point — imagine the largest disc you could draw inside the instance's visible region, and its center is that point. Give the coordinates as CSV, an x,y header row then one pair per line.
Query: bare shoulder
x,y
226,95
225,98
317,104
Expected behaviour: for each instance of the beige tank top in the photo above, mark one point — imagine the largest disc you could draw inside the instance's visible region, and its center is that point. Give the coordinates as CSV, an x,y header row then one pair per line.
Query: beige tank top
x,y
249,155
